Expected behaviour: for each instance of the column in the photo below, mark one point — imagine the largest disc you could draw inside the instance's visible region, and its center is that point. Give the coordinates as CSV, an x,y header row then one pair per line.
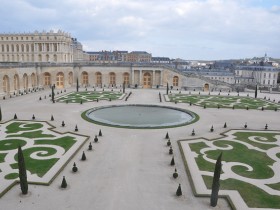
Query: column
x,y
161,78
154,78
140,78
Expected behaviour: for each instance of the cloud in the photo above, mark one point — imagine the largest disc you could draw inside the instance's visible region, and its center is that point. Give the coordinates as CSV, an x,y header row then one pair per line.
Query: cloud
x,y
190,29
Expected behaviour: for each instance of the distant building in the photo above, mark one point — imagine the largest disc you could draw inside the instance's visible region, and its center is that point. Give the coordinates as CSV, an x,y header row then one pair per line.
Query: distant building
x,y
138,56
160,60
262,75
58,47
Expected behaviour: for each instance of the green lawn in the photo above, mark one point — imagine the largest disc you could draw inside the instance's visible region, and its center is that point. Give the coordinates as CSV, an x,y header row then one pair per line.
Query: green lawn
x,y
237,102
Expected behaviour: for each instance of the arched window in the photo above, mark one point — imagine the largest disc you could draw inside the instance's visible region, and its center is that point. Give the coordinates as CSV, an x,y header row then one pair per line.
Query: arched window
x,y
16,82
47,79
25,82
112,78
70,78
6,84
98,78
22,48
40,58
8,48
27,48
55,58
60,80
85,78
175,81
33,80
40,47
13,48
126,78
17,48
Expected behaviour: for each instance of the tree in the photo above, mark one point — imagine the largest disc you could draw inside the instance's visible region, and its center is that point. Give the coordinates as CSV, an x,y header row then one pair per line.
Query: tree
x,y
63,183
167,89
84,156
123,87
75,168
100,133
53,94
22,172
15,116
179,190
172,161
216,181
167,136
256,91
77,87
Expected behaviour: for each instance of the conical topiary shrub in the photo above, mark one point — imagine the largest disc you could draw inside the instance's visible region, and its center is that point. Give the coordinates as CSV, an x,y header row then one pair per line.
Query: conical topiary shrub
x,y
62,124
89,146
179,190
84,156
262,108
172,161
225,125
245,126
81,102
167,136
15,116
52,119
212,129
266,126
168,142
33,117
95,139
76,128
216,181
22,172
40,98
170,150
175,174
63,183
75,168
100,133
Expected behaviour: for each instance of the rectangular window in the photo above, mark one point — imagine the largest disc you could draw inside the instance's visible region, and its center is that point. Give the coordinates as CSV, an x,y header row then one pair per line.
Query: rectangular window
x,y
269,75
264,75
264,82
269,82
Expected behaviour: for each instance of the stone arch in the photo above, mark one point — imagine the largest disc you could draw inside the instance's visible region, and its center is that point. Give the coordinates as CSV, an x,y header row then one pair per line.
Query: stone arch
x,y
70,78
147,80
16,82
6,84
98,76
60,80
112,79
84,78
206,87
33,80
175,81
47,79
25,81
126,78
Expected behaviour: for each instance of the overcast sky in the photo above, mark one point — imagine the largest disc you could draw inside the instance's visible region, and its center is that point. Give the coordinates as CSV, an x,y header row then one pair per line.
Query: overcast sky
x,y
188,29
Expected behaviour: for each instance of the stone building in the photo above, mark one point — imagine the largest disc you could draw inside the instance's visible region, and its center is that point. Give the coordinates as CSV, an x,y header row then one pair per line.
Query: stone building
x,y
58,47
22,78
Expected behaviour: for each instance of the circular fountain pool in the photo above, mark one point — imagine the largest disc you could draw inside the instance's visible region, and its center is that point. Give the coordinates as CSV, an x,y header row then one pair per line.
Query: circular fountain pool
x,y
140,116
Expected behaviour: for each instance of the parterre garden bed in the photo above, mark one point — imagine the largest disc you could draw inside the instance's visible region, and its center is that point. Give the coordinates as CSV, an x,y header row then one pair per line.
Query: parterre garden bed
x,y
250,164
89,96
224,101
46,152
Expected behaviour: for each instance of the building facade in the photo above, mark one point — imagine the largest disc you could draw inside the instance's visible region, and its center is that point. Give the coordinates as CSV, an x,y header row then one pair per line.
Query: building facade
x,y
57,47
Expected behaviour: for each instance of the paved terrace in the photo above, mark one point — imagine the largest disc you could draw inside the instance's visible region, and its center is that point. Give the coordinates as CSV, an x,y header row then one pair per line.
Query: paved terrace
x,y
129,169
